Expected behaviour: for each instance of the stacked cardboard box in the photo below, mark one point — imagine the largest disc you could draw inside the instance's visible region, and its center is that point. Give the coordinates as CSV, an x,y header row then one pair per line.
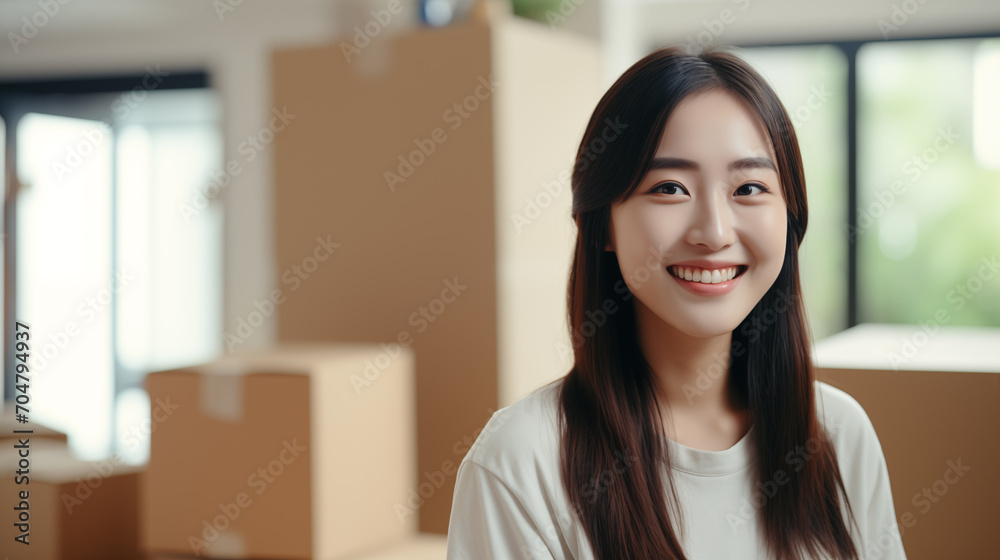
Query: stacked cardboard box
x,y
65,508
299,451
423,546
8,425
436,164
932,392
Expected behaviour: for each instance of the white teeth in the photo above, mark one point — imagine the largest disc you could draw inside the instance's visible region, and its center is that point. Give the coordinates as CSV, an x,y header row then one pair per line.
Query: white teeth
x,y
704,276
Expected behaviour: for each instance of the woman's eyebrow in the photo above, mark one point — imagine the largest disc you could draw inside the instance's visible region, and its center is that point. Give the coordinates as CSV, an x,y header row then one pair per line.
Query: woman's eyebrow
x,y
738,165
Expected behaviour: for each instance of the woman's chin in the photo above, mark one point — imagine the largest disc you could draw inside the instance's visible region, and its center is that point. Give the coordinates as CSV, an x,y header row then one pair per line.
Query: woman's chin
x,y
706,327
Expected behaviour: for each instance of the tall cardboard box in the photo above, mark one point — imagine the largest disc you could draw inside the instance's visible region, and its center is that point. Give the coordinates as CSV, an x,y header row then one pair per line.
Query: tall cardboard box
x,y
933,394
423,546
439,160
281,453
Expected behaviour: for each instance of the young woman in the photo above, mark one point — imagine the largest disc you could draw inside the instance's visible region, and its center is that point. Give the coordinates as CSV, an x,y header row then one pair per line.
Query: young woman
x,y
691,425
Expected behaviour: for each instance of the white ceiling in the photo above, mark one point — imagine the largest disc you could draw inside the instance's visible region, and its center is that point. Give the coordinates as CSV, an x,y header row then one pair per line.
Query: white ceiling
x,y
89,34
754,21
783,19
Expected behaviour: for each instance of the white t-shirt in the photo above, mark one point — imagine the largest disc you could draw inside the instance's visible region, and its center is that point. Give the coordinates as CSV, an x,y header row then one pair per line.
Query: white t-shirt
x,y
509,501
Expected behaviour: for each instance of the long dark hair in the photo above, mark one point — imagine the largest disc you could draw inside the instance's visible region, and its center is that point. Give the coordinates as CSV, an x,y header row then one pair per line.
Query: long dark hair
x,y
608,407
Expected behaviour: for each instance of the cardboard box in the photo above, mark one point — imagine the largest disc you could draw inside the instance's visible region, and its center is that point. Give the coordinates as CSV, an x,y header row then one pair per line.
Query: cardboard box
x,y
933,395
424,546
298,451
8,424
76,510
438,160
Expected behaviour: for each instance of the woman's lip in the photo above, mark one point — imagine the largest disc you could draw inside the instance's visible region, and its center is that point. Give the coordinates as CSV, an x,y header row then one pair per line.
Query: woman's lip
x,y
710,265
708,289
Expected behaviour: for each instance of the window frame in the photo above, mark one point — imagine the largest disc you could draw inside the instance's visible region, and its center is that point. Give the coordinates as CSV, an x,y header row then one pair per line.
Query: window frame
x,y
850,49
66,97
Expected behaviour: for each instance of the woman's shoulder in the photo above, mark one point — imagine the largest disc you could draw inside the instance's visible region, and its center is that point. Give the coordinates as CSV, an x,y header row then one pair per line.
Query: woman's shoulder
x,y
523,434
863,468
841,414
858,448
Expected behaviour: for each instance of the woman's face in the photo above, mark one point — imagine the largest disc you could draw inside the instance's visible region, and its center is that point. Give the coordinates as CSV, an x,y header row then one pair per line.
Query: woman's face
x,y
702,238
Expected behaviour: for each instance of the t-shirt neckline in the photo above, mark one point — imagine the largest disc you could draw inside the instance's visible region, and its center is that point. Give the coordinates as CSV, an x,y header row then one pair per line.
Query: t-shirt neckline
x,y
711,463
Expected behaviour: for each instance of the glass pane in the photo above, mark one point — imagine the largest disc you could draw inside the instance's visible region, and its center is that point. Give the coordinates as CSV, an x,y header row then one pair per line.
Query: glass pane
x,y
64,280
811,82
929,182
173,316
170,242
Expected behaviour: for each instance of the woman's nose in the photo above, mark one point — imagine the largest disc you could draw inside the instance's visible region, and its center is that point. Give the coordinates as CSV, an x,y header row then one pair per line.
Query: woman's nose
x,y
711,225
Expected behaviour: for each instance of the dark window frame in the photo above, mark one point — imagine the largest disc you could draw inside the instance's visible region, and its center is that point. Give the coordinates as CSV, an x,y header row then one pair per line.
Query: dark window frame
x,y
20,96
850,50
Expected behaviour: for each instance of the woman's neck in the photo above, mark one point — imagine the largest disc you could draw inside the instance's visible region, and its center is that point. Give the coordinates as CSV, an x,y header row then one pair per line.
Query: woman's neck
x,y
692,372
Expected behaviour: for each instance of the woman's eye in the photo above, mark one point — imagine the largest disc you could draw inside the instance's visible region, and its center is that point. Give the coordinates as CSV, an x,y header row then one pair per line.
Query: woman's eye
x,y
746,189
669,188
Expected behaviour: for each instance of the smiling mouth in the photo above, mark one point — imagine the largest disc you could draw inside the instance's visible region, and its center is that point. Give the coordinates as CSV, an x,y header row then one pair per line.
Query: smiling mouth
x,y
705,275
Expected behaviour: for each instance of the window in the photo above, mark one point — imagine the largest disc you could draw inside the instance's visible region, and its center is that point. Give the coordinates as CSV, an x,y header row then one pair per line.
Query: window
x,y
115,269
929,182
64,280
902,163
810,82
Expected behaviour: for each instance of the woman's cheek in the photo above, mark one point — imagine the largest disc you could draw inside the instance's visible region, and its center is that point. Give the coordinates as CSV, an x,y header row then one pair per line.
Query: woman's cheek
x,y
768,224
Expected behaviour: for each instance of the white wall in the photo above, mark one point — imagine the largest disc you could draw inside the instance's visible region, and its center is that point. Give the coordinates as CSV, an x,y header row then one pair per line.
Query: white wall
x,y
651,23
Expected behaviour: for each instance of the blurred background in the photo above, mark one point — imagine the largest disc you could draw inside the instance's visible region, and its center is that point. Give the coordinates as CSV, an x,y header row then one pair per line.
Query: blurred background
x,y
159,156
